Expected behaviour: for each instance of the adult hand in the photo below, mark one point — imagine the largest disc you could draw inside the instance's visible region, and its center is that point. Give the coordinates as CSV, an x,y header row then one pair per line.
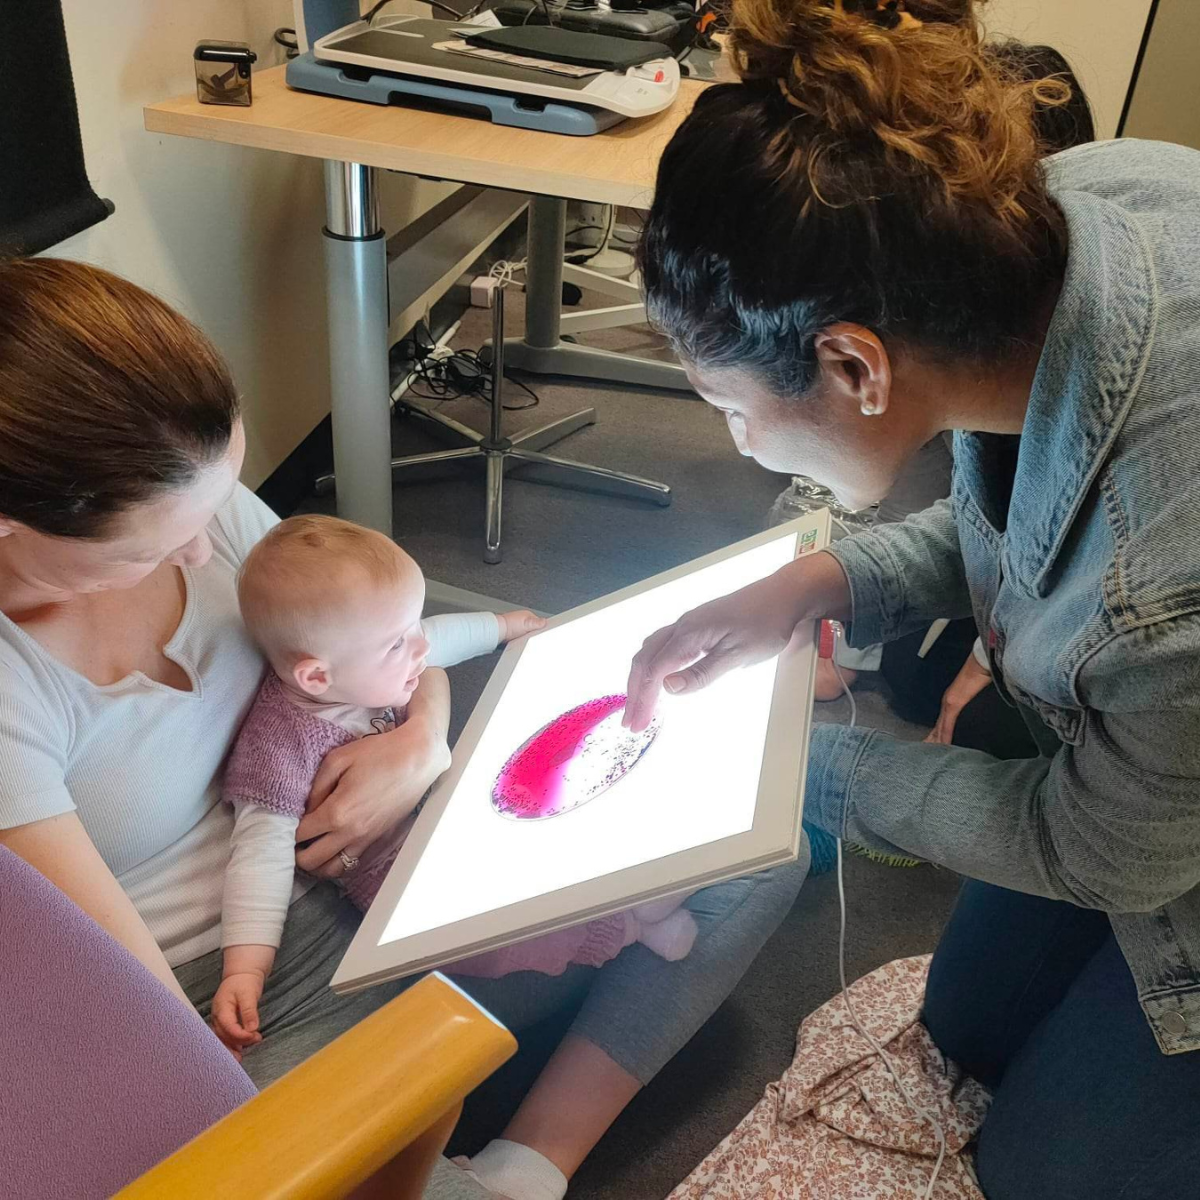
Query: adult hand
x,y
364,790
968,683
738,630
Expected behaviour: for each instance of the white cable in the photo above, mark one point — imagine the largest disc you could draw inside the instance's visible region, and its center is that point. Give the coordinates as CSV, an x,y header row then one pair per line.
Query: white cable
x,y
504,272
919,1112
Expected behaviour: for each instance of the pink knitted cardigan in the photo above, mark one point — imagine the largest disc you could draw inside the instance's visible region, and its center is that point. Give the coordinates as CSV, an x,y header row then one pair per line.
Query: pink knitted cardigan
x,y
277,752
273,764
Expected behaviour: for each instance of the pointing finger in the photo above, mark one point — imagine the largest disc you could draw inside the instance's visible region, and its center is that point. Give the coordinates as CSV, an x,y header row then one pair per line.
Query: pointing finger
x,y
700,674
664,653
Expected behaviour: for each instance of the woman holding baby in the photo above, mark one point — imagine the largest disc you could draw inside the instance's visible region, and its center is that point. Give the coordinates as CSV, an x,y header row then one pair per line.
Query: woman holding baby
x,y
126,672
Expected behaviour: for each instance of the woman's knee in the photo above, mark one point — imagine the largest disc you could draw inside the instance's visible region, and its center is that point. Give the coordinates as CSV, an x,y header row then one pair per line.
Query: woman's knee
x,y
951,1009
1028,1150
764,897
951,1018
781,885
1004,961
1090,1108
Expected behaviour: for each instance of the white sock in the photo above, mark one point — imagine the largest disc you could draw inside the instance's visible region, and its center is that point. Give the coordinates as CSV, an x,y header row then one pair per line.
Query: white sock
x,y
518,1172
671,938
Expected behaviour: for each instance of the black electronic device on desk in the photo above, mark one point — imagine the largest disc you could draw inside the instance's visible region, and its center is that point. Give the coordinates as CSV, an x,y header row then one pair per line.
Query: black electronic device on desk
x,y
569,46
530,84
672,23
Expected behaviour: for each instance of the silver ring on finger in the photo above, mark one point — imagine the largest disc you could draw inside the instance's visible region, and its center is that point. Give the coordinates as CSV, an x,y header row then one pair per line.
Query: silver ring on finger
x,y
349,861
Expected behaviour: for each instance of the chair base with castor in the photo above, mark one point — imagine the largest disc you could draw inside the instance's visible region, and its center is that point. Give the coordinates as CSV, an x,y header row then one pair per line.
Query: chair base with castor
x,y
500,454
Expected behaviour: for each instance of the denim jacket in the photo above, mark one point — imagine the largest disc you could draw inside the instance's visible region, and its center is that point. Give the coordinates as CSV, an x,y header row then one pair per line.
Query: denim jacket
x,y
1086,586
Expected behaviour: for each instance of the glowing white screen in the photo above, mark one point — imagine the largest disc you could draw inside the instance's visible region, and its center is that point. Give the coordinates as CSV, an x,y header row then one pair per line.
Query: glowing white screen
x,y
696,784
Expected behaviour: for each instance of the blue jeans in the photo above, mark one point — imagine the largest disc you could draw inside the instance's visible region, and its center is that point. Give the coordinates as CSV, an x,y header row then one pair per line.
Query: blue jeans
x,y
1034,998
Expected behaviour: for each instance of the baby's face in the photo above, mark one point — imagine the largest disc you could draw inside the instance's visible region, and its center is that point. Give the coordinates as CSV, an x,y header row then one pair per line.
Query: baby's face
x,y
380,653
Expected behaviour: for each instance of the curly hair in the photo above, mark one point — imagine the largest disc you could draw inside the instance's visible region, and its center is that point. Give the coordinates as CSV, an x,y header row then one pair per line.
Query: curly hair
x,y
924,89
878,163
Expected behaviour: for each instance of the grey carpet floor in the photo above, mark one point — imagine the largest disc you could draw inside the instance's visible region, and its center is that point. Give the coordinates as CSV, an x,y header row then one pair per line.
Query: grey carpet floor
x,y
563,548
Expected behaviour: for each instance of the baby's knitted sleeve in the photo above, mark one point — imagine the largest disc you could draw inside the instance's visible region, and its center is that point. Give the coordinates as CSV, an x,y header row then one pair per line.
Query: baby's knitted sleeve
x,y
272,764
267,781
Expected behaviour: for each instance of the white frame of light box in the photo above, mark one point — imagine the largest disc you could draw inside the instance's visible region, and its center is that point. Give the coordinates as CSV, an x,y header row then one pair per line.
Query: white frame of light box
x,y
773,839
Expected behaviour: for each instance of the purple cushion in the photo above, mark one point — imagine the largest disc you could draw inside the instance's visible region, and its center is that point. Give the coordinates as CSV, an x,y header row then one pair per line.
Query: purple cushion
x,y
103,1072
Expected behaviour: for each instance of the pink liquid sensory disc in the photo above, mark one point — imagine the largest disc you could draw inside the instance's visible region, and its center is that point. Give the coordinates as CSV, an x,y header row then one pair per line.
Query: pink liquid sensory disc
x,y
570,761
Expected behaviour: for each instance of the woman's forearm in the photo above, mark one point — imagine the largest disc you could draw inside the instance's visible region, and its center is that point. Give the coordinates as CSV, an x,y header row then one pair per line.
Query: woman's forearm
x,y
430,709
61,850
363,790
818,587
903,576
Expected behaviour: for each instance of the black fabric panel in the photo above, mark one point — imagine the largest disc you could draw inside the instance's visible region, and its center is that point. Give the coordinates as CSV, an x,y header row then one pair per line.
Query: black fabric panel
x,y
988,723
45,196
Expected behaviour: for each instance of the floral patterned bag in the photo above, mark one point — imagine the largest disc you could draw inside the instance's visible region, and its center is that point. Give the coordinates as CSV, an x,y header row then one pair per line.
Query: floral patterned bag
x,y
836,1127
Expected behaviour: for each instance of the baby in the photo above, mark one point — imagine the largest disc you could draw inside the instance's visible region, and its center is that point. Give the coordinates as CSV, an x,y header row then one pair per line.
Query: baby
x,y
336,610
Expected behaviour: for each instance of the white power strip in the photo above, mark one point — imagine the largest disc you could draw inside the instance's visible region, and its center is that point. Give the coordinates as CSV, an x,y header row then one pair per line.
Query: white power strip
x,y
483,291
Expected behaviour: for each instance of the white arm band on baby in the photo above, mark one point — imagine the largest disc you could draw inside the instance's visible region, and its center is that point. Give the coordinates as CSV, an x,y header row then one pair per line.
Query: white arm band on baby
x,y
259,877
981,655
455,637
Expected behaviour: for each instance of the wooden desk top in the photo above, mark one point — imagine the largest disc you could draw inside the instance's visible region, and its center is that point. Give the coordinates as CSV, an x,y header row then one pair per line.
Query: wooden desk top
x,y
616,167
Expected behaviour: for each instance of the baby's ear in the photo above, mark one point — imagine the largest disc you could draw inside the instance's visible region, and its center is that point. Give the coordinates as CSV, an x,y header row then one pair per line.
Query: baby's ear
x,y
312,676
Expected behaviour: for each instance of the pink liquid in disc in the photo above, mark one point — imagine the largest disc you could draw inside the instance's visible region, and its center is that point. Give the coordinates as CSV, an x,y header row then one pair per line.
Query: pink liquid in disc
x,y
570,761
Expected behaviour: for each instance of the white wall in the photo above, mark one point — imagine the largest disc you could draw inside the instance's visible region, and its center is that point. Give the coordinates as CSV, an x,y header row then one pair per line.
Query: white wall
x,y
1099,38
1166,102
230,236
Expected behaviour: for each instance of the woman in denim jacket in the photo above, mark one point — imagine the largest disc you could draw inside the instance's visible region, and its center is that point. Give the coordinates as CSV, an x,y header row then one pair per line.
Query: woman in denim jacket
x,y
854,249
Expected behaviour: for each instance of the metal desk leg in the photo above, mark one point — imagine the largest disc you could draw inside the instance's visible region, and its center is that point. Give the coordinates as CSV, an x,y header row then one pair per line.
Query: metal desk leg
x,y
542,350
357,308
357,305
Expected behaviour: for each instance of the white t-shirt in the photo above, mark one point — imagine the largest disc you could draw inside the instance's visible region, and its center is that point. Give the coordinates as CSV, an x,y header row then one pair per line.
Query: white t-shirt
x,y
138,761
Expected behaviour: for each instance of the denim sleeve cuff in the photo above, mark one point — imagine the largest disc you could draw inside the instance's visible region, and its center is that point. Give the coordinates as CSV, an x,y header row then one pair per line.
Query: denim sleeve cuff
x,y
876,594
833,755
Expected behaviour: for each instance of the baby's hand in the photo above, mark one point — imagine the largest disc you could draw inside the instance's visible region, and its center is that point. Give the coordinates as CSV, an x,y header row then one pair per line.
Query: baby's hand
x,y
235,1011
517,624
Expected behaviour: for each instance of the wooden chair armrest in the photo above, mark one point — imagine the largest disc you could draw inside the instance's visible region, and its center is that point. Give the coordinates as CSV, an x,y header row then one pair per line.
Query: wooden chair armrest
x,y
335,1120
